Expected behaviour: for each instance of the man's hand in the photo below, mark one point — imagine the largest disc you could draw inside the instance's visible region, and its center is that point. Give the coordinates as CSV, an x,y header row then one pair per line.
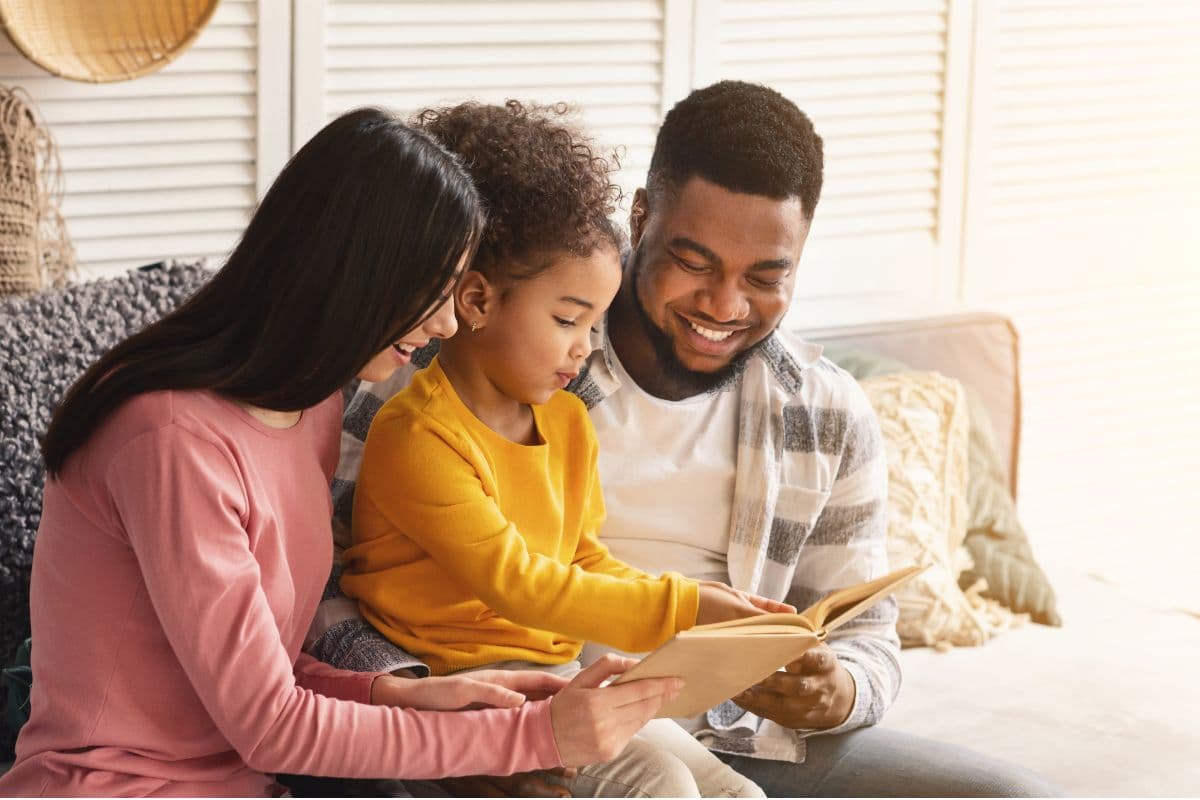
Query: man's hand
x,y
494,688
522,784
815,692
719,603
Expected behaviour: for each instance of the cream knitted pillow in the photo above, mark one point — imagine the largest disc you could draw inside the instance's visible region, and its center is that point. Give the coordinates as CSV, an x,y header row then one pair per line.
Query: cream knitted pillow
x,y
923,416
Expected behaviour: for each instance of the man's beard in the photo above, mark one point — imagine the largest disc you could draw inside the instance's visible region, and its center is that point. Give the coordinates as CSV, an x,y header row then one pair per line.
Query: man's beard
x,y
689,382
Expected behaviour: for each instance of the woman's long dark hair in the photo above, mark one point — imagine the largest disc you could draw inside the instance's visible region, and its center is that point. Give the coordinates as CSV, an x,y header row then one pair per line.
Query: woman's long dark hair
x,y
354,243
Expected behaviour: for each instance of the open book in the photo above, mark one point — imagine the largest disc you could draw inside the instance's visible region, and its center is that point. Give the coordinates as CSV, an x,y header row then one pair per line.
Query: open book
x,y
720,660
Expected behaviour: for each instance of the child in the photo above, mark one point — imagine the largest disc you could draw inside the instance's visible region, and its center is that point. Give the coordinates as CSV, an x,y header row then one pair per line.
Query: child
x,y
478,504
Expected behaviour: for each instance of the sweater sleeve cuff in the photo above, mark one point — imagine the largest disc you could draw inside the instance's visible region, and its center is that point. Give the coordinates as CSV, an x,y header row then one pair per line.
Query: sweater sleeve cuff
x,y
687,604
545,749
862,703
359,687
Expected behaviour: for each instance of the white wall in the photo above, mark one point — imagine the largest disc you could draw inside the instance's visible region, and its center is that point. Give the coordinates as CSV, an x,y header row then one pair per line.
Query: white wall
x,y
1038,157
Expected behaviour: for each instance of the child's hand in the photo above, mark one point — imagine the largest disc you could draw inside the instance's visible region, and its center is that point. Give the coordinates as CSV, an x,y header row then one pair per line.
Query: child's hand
x,y
593,724
719,603
494,688
532,683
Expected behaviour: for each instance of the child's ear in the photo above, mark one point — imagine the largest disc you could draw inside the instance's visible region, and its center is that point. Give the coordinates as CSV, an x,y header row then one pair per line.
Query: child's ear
x,y
474,298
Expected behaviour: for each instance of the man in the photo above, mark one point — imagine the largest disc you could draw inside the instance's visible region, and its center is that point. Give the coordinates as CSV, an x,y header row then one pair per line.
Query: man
x,y
732,451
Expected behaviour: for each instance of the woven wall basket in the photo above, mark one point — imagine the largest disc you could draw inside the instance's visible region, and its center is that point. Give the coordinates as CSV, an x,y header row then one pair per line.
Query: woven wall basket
x,y
35,251
99,41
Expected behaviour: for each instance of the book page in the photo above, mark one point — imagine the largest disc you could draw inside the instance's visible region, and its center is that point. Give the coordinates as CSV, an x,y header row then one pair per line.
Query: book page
x,y
841,606
779,618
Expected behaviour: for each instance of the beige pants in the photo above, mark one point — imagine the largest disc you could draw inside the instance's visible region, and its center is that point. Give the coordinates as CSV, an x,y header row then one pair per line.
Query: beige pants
x,y
661,760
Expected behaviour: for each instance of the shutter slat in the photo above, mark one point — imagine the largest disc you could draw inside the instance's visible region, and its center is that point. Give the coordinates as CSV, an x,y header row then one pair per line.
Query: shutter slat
x,y
144,249
419,97
1093,192
1099,17
156,154
771,67
897,90
1015,136
882,225
860,29
483,55
852,206
91,134
1128,53
159,85
817,52
81,205
775,9
349,14
63,112
832,129
910,164
1099,154
495,78
125,226
182,178
475,33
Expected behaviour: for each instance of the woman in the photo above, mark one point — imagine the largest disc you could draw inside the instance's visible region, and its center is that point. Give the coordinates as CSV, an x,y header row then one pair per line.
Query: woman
x,y
185,537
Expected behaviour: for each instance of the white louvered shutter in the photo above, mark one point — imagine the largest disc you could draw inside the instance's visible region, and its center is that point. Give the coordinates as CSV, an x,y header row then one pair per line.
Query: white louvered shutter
x,y
1087,144
162,166
605,57
1084,194
873,77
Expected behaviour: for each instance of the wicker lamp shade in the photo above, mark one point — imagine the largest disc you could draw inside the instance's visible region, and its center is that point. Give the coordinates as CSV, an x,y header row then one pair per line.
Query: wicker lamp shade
x,y
99,41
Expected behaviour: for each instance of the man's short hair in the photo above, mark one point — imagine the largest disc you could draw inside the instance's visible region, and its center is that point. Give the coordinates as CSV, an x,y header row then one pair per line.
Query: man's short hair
x,y
744,137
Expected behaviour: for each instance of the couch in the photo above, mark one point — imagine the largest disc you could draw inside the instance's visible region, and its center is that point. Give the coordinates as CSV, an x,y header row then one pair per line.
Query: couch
x,y
1100,706
1105,705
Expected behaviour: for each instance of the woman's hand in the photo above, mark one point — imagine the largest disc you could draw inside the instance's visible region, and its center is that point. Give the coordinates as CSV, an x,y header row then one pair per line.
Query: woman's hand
x,y
719,603
488,688
593,724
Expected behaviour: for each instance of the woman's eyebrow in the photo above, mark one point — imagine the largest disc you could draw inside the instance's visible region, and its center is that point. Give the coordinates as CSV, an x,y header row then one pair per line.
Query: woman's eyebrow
x,y
577,301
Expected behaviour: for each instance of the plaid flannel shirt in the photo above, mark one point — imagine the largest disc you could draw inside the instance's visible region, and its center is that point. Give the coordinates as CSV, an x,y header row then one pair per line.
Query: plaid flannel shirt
x,y
809,516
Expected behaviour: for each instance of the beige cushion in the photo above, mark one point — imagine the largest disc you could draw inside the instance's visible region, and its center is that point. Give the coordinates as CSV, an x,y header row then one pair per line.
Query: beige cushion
x,y
923,416
978,348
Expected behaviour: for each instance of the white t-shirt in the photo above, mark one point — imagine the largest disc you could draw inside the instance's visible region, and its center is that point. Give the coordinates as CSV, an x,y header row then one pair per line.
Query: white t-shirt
x,y
667,468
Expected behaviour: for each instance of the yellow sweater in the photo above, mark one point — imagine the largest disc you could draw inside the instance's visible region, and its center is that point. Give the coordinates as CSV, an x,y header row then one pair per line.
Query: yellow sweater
x,y
471,549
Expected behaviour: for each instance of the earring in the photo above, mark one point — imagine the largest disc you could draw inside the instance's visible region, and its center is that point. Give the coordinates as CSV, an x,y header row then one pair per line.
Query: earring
x,y
474,326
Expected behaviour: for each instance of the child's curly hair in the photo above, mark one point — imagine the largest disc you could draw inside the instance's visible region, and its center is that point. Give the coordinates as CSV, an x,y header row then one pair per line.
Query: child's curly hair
x,y
545,185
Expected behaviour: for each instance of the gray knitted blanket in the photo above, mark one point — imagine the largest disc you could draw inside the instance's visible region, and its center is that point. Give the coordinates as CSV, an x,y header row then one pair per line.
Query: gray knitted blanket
x,y
47,340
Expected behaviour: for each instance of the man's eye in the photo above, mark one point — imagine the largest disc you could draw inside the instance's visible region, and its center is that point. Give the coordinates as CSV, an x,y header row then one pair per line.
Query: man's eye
x,y
689,266
565,323
765,284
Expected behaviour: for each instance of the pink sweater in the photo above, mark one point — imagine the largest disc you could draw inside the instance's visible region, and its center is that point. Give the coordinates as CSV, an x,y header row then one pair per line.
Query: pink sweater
x,y
180,559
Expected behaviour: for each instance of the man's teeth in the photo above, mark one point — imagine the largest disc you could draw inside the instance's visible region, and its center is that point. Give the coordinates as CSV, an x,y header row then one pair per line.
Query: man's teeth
x,y
711,335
